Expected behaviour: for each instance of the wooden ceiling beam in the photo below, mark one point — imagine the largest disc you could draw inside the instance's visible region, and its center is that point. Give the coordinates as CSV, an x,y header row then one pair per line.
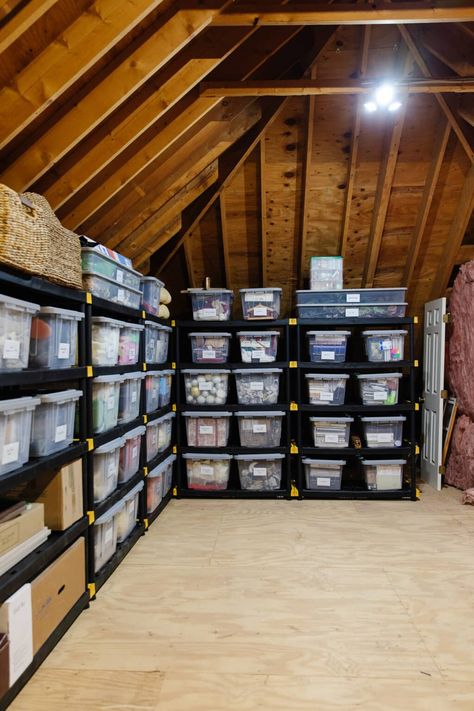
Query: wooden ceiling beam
x,y
451,47
225,240
22,21
160,239
308,162
465,254
263,206
466,109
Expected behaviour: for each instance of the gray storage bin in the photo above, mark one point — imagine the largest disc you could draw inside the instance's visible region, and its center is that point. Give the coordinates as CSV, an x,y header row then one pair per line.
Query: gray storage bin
x,y
257,386
344,311
260,472
323,474
53,422
211,304
383,474
16,417
384,346
327,346
54,338
206,387
207,472
260,429
15,332
261,303
379,388
383,431
326,388
207,429
352,296
331,432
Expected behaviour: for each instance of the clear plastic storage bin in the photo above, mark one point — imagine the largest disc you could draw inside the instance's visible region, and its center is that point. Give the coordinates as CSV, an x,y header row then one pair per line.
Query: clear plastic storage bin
x,y
151,291
102,265
53,422
16,418
207,472
127,515
105,536
257,386
383,431
338,311
105,340
166,381
106,468
154,487
260,472
206,387
207,429
54,338
15,331
384,346
129,346
331,432
168,473
158,389
210,347
110,290
129,400
323,474
156,342
352,296
327,346
159,434
326,389
260,429
105,402
211,304
129,461
383,474
326,273
258,346
379,388
260,303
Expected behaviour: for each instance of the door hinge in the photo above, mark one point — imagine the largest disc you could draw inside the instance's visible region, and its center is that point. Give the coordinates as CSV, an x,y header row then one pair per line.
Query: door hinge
x,y
447,318
444,394
442,469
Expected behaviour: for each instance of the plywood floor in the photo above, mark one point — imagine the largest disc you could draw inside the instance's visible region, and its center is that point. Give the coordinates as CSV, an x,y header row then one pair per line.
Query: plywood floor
x,y
279,606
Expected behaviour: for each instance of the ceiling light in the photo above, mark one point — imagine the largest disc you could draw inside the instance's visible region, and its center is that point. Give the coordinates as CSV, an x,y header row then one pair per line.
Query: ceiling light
x,y
394,106
385,94
370,106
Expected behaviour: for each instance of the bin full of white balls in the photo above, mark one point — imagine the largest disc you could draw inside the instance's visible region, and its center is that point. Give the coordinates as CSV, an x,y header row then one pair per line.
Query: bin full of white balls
x,y
206,387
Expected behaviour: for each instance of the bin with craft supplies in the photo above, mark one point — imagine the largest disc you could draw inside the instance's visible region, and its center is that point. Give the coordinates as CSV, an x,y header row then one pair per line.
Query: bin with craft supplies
x,y
110,290
129,460
53,341
383,431
352,297
156,342
15,332
383,474
379,388
262,303
129,345
16,417
327,346
328,310
210,347
53,422
151,292
260,429
323,474
258,346
257,386
260,472
159,434
105,340
154,486
102,265
106,467
206,387
329,432
127,515
325,273
129,399
207,472
384,346
168,473
326,388
166,381
207,429
158,389
105,402
211,304
105,536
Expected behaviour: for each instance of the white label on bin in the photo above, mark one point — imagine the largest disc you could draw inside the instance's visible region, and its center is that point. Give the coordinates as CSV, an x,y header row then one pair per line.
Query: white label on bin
x,y
259,297
61,433
331,438
208,353
132,351
258,354
206,429
206,470
10,452
133,397
260,311
328,397
111,402
328,355
121,295
256,385
134,451
64,350
380,394
258,427
11,349
260,471
385,437
386,345
353,298
111,468
119,276
352,313
204,384
111,350
109,534
323,481
207,313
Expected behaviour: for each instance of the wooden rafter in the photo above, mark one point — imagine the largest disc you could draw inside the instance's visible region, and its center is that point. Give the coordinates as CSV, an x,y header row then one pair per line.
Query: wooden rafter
x,y
451,46
163,236
308,160
22,21
263,207
465,254
225,240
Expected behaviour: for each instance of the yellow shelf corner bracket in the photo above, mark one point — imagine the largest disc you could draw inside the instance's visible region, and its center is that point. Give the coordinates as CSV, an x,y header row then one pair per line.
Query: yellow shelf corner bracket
x,y
91,517
293,364
88,297
91,588
293,406
294,493
292,321
90,444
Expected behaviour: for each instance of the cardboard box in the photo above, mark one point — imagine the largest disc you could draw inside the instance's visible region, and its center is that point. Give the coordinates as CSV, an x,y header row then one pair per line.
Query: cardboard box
x,y
61,494
56,590
27,524
16,622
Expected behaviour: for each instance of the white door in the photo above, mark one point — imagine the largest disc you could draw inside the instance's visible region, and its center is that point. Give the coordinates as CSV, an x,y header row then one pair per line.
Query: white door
x,y
433,386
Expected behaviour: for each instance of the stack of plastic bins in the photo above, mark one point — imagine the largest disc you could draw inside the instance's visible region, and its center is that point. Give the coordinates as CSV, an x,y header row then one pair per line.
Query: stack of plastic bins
x,y
53,422
129,462
129,400
383,431
54,338
260,429
329,432
207,429
261,303
211,304
207,472
127,515
260,472
105,341
106,468
105,402
151,291
105,536
257,386
327,389
16,418
129,347
15,331
323,474
156,342
383,474
207,347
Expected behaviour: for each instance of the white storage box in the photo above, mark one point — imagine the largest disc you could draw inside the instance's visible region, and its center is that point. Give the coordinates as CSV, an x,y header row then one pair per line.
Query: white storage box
x,y
257,386
323,474
260,429
16,418
207,429
258,346
327,346
384,346
329,432
156,342
106,467
211,304
260,303
54,338
151,291
105,402
210,347
53,422
105,536
102,265
129,399
326,273
206,387
383,474
110,290
326,389
379,388
383,431
129,462
105,340
158,435
260,472
127,515
207,472
15,331
129,346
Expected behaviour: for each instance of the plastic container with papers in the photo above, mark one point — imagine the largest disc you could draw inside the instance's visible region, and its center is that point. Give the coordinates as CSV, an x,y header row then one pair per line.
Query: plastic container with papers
x,y
15,332
16,418
106,467
53,341
127,515
53,422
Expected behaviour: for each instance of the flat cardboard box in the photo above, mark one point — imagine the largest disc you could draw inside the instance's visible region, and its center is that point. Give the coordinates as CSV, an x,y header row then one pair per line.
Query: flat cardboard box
x,y
61,494
16,622
56,590
19,529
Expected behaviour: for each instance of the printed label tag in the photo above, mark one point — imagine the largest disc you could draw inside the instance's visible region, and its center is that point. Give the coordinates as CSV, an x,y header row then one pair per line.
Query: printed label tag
x,y
323,481
204,385
327,397
256,385
209,354
134,451
331,438
132,351
385,437
109,533
119,276
259,297
259,471
386,345
380,395
258,354
111,350
206,429
352,313
110,402
11,349
121,295
133,396
111,468
328,355
10,452
206,470
207,313
258,427
353,298
64,350
61,433
260,311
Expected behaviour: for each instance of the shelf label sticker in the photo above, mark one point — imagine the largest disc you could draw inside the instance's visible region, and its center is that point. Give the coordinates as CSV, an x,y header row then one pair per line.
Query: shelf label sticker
x,y
260,471
133,396
331,438
119,276
380,395
256,385
260,311
111,402
328,355
258,297
206,429
111,469
11,349
10,452
204,384
259,427
323,481
64,351
61,433
109,533
207,313
352,313
206,470
353,298
326,397
121,295
385,437
209,354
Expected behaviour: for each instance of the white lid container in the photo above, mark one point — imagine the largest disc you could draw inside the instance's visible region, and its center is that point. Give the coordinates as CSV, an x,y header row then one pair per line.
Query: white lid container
x,y
127,515
106,464
211,304
260,472
129,462
207,472
15,331
260,429
383,474
207,429
385,346
261,303
105,402
206,387
59,348
15,430
129,398
53,422
105,340
258,346
151,293
105,536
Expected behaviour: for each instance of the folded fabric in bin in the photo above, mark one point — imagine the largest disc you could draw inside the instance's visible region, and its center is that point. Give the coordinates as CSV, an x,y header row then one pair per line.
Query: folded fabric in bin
x,y
327,388
208,472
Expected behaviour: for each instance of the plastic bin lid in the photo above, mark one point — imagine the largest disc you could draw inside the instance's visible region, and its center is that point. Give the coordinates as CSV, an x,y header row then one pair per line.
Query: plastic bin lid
x,y
86,272
379,376
331,419
208,291
263,413
162,466
261,289
211,455
149,278
60,397
19,403
328,333
159,326
133,492
110,321
109,259
168,416
110,446
18,303
108,379
140,430
207,414
132,326
65,313
157,373
258,333
352,291
257,371
110,513
259,457
327,376
356,306
395,418
384,333
205,371
369,462
210,335
133,376
326,462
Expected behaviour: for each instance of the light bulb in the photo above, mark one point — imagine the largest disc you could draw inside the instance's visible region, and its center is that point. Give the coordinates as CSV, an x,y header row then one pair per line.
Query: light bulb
x,y
394,106
384,94
370,106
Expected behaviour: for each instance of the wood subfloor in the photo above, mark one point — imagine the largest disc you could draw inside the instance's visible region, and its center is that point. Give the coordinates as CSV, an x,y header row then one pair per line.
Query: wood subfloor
x,y
279,606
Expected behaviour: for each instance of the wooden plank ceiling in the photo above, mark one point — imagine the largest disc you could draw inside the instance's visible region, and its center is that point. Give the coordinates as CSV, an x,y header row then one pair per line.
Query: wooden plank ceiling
x,y
121,114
